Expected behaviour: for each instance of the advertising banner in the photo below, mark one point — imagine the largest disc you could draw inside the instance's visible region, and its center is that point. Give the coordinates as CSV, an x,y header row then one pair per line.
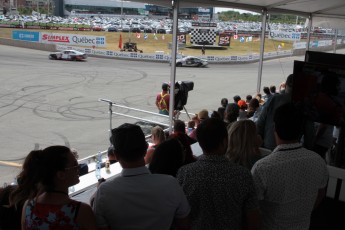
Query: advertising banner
x,y
224,39
285,36
181,38
26,36
73,39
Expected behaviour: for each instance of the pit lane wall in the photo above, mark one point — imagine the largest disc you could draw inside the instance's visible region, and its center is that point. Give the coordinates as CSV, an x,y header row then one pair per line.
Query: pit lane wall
x,y
299,49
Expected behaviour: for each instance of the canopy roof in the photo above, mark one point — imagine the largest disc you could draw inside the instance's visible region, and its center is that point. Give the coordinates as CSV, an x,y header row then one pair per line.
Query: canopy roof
x,y
325,13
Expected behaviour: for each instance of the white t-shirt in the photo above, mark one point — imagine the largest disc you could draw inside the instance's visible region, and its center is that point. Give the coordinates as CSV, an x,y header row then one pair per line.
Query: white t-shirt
x,y
140,200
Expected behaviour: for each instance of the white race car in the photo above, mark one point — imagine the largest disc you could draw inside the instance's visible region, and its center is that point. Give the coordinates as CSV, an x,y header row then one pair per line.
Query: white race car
x,y
191,61
71,55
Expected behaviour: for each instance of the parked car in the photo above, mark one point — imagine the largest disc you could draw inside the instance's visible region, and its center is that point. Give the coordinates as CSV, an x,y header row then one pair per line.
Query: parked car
x,y
71,55
135,30
191,62
112,29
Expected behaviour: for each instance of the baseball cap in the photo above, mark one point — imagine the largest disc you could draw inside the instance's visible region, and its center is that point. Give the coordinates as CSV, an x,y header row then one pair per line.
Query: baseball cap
x,y
242,104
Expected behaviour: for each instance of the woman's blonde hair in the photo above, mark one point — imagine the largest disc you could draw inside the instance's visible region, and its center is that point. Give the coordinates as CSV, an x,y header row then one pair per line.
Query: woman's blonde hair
x,y
243,143
158,133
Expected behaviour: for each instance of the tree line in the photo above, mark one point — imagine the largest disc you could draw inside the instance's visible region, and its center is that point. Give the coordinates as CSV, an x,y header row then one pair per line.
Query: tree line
x,y
251,17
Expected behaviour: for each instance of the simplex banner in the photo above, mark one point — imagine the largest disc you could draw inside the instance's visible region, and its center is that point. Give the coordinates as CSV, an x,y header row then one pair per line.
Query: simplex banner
x,y
73,39
284,36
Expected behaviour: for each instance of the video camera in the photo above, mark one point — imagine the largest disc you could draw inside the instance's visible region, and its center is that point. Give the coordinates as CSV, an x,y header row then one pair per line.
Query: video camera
x,y
181,93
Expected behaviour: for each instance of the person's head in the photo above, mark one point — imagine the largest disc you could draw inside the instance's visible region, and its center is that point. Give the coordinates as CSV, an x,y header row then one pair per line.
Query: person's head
x,y
179,126
185,141
52,168
236,98
216,114
242,104
243,142
5,193
195,118
253,104
111,154
287,123
75,153
203,114
212,136
248,98
129,143
191,124
167,158
273,89
165,87
289,84
232,112
224,102
267,90
259,98
157,135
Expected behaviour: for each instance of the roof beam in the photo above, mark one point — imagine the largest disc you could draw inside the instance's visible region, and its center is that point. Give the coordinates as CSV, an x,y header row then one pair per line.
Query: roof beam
x,y
282,3
330,8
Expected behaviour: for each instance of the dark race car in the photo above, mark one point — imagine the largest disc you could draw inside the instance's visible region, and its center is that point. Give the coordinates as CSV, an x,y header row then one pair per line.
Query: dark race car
x,y
71,55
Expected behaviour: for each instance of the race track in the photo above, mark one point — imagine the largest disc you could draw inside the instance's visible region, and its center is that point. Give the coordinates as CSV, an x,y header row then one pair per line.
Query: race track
x,y
45,102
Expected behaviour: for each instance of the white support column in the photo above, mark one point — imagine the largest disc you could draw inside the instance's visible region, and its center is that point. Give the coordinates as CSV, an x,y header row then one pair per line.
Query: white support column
x,y
309,31
262,48
335,41
175,7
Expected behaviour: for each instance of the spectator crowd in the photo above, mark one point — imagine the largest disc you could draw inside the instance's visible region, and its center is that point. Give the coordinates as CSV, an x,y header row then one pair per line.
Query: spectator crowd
x,y
263,166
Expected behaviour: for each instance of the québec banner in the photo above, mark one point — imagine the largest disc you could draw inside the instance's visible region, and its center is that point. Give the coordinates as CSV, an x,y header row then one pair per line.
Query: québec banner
x,y
284,36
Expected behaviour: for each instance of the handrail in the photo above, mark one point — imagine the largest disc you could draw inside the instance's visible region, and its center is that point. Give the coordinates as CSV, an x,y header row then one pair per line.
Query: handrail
x,y
139,118
92,158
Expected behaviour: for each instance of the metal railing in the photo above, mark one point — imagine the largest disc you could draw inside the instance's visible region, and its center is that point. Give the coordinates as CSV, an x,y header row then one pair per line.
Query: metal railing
x,y
92,158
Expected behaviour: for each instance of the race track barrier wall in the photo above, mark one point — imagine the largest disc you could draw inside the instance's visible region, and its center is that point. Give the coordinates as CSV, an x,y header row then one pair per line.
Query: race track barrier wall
x,y
29,45
322,45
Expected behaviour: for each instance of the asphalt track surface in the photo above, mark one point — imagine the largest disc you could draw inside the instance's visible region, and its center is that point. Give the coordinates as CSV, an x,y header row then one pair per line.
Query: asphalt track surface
x,y
45,102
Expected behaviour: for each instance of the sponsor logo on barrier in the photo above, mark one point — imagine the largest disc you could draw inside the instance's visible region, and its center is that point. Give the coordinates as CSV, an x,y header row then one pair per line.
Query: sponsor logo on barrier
x,y
99,52
109,53
245,58
147,56
222,59
55,38
121,54
285,36
73,39
133,55
159,56
26,36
